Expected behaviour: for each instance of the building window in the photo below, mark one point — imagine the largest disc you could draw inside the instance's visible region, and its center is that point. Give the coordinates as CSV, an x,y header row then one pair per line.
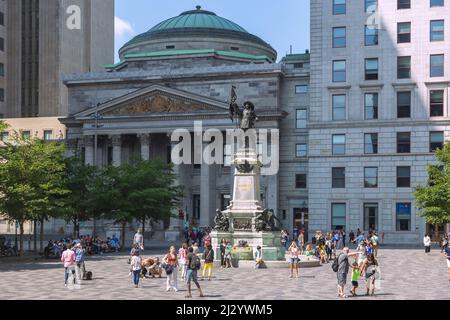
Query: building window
x,y
371,69
339,71
225,200
437,30
371,143
4,136
2,94
404,32
338,144
338,215
339,7
404,104
404,67
298,65
26,134
338,178
403,4
301,150
403,142
170,47
339,102
436,3
301,118
371,106
403,177
300,181
301,88
436,103
370,216
2,19
227,155
437,65
436,140
2,44
370,177
339,37
371,35
196,206
371,6
48,135
2,69
403,216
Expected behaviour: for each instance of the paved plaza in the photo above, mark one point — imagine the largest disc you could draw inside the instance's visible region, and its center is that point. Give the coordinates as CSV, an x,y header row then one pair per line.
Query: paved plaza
x,y
406,274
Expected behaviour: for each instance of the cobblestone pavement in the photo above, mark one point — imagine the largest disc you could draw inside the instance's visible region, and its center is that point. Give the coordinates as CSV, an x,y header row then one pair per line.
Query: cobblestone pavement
x,y
406,274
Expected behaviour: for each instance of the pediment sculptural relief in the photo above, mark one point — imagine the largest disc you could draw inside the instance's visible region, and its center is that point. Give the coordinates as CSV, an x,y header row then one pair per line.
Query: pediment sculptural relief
x,y
158,104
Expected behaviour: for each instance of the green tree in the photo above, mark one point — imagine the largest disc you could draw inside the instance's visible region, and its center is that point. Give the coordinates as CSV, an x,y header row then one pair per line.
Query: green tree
x,y
31,180
434,199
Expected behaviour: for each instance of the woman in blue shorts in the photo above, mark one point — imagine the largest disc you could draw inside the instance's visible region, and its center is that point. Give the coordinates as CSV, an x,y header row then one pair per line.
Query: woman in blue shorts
x,y
293,252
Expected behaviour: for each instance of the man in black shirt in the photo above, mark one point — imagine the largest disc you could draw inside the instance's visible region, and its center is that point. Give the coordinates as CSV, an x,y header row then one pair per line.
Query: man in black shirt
x,y
193,265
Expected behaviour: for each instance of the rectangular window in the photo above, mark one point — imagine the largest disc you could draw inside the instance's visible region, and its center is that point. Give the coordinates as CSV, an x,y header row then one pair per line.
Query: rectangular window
x,y
437,30
48,135
2,19
436,140
225,200
404,104
371,69
338,178
301,150
371,35
371,106
4,136
437,65
404,67
196,206
339,71
339,106
303,88
2,95
300,181
371,6
403,216
404,32
403,4
2,69
2,44
371,143
370,216
436,3
338,216
301,118
339,7
26,134
403,177
436,103
370,177
338,144
339,37
403,142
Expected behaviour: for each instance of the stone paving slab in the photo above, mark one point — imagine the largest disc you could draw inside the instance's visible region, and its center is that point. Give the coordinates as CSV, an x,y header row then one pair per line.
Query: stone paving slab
x,y
406,274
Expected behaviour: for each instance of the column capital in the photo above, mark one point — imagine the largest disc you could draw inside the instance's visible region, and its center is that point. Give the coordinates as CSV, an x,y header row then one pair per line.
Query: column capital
x,y
88,141
144,138
116,140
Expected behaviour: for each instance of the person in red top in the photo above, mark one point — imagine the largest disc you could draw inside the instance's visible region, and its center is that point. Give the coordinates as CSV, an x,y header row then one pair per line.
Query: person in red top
x,y
68,258
171,262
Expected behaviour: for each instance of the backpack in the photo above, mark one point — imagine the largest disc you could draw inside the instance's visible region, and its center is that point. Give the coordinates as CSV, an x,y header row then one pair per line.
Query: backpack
x,y
335,265
196,264
89,275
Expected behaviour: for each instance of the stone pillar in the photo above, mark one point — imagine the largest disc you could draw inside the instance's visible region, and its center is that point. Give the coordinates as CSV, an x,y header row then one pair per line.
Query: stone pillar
x,y
145,146
176,224
116,141
89,150
72,145
207,194
272,194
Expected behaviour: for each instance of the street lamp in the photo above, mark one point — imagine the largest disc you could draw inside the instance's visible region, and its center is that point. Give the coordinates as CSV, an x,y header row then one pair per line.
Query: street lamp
x,y
96,117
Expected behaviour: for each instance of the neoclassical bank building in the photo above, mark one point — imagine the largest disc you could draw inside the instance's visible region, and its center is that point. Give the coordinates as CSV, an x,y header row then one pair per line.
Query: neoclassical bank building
x,y
180,72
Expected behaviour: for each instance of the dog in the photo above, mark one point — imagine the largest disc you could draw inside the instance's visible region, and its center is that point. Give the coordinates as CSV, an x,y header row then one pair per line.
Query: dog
x,y
152,266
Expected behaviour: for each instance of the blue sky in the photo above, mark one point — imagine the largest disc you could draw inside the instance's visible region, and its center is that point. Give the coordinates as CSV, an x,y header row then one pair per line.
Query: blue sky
x,y
280,23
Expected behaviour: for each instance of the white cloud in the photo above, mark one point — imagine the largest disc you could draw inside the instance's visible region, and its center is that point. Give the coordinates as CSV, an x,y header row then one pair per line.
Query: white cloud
x,y
122,27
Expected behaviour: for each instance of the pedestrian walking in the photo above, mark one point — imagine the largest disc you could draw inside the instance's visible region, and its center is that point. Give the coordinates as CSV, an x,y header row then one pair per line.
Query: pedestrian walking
x,y
68,258
170,263
447,256
258,255
182,254
301,241
362,252
223,245
444,243
80,269
368,270
427,243
195,247
135,267
139,239
284,238
228,249
293,259
342,268
208,256
193,265
375,243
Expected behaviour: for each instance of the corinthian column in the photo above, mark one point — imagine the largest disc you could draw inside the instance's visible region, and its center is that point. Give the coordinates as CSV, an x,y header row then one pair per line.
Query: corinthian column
x,y
145,146
89,150
116,141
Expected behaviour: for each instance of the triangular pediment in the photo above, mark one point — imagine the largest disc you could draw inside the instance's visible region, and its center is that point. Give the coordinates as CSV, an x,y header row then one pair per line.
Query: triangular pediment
x,y
157,99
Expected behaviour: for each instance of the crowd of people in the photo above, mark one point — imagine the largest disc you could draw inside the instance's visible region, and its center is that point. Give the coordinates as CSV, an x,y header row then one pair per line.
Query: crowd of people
x,y
92,245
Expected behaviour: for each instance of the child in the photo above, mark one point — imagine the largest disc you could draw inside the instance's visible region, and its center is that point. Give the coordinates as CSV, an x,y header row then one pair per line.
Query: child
x,y
356,274
309,251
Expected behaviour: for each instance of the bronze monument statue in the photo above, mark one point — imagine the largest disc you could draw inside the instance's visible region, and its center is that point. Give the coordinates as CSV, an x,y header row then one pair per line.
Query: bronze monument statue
x,y
221,222
247,115
265,221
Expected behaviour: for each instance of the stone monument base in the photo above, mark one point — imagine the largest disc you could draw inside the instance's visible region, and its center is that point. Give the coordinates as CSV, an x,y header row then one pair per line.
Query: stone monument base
x,y
272,249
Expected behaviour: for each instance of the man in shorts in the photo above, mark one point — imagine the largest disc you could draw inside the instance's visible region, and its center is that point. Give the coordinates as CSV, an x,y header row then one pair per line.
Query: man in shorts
x,y
191,273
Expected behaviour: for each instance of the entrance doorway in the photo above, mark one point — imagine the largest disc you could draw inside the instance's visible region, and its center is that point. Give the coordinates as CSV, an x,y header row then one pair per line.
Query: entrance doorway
x,y
436,231
301,221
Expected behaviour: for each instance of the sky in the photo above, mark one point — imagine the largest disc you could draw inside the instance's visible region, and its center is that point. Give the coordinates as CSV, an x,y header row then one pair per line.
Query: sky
x,y
280,23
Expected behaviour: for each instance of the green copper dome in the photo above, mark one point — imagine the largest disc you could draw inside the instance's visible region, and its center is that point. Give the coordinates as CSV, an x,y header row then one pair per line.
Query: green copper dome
x,y
197,23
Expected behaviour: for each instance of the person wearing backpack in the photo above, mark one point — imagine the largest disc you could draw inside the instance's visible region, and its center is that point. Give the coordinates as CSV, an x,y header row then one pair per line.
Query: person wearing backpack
x,y
208,256
193,265
341,266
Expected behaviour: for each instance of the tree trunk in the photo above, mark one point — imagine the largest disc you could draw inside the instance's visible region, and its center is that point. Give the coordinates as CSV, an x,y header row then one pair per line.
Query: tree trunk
x,y
35,235
75,228
41,235
122,237
143,231
21,238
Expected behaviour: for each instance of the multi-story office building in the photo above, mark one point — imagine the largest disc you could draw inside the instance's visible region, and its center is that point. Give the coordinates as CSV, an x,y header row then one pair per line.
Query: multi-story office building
x,y
40,40
380,78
